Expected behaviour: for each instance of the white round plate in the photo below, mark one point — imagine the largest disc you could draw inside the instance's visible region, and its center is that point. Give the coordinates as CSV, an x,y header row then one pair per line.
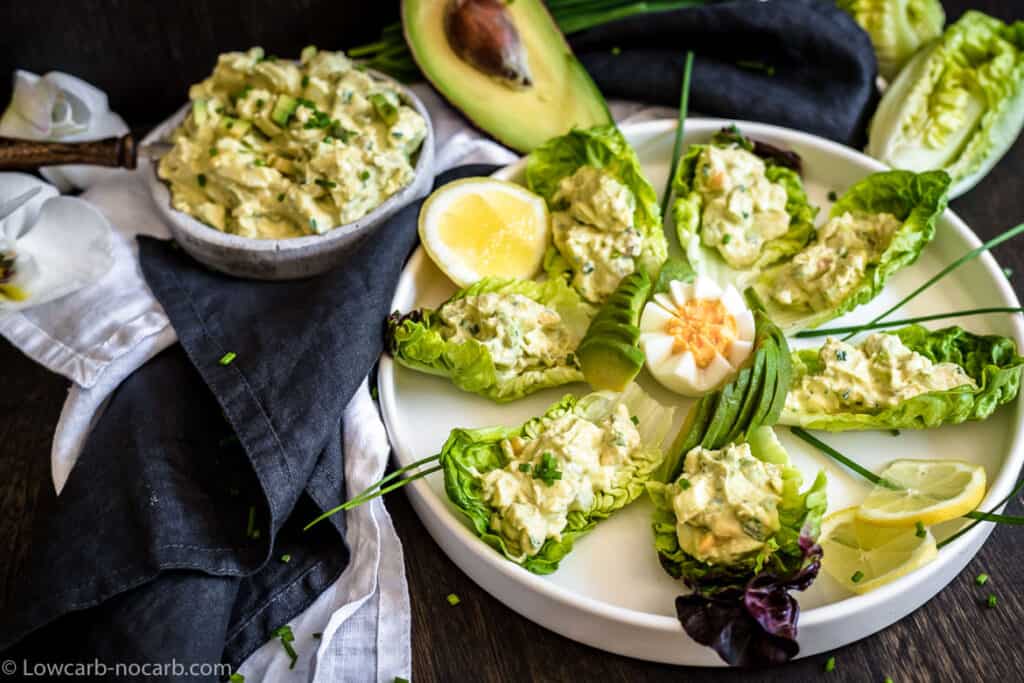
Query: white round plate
x,y
611,592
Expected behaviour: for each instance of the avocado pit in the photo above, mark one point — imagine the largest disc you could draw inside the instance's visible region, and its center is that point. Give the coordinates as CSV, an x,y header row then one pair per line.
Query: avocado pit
x,y
483,35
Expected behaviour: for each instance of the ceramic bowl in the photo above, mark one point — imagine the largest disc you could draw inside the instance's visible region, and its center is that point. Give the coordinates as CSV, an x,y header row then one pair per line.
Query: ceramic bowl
x,y
294,258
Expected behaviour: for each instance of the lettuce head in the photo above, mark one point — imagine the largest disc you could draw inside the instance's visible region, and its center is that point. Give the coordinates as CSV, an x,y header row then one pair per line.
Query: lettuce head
x,y
991,361
423,341
470,453
898,28
958,105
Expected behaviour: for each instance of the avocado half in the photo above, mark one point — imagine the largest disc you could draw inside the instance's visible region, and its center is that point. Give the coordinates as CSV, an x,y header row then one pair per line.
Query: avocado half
x,y
559,96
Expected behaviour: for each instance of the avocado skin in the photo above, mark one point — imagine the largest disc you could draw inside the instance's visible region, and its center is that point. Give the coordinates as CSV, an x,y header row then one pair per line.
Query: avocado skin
x,y
518,114
608,354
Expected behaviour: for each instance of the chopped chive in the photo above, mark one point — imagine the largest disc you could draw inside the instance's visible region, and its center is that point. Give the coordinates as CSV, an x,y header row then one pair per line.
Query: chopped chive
x,y
312,223
280,197
888,680
201,179
287,638
374,393
453,599
634,419
894,432
830,665
857,576
524,467
920,532
364,176
305,81
326,184
992,601
399,679
286,558
616,51
213,151
228,358
981,579
832,196
684,484
236,678
259,162
677,145
1008,272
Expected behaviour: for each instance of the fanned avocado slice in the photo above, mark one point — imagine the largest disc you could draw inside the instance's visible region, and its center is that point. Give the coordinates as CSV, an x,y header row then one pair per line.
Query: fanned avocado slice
x,y
609,356
783,376
750,398
536,88
725,413
690,435
767,389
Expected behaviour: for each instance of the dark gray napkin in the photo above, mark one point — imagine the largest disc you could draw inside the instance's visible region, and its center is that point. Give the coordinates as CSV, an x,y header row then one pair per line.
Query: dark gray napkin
x,y
167,541
803,64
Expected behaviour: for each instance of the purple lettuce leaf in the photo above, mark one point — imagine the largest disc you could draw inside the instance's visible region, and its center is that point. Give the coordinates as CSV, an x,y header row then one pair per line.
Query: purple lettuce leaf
x,y
755,625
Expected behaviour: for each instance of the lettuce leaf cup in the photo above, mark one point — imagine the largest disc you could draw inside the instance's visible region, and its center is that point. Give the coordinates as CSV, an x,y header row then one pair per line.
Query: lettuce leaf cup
x,y
740,207
605,221
499,338
910,378
878,226
530,492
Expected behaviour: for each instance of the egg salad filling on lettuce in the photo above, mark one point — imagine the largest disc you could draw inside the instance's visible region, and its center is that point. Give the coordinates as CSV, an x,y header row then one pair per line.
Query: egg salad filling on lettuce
x,y
606,223
910,378
531,491
275,149
500,338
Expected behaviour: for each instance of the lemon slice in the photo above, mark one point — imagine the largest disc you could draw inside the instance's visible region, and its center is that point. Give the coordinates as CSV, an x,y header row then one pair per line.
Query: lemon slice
x,y
479,227
863,556
929,491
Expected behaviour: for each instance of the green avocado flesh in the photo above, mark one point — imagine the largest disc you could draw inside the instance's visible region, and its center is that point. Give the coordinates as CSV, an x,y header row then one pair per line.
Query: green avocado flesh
x,y
608,354
561,96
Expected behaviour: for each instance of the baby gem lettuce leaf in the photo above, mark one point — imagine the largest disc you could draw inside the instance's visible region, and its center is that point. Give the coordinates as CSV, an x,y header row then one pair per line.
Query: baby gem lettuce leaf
x,y
606,148
781,167
415,341
469,453
916,199
744,610
958,105
991,361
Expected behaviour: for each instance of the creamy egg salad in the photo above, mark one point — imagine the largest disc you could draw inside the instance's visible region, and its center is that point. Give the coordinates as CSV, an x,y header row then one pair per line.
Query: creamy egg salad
x,y
275,149
742,208
595,232
521,334
879,373
726,503
827,270
564,468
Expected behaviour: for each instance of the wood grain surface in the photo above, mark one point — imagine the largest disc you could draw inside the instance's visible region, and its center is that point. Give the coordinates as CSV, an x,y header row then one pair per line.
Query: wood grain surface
x,y
953,638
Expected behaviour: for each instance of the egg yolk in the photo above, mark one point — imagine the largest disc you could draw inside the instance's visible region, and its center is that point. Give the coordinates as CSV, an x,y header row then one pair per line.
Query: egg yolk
x,y
703,327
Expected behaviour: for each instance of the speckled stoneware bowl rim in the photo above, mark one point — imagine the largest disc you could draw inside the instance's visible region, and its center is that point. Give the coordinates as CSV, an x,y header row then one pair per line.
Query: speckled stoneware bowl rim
x,y
198,230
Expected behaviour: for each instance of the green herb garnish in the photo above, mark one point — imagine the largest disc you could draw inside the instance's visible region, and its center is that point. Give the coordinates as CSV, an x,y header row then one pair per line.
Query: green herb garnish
x,y
228,358
992,601
677,145
364,176
326,184
920,531
286,558
857,576
832,196
236,678
524,467
981,579
453,599
634,419
547,471
287,638
830,665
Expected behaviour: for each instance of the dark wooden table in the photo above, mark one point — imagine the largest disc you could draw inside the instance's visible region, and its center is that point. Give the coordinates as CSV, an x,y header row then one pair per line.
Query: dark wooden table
x,y
952,638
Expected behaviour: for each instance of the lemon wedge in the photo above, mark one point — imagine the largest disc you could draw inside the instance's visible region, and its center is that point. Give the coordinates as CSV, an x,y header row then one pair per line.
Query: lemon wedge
x,y
927,491
863,556
479,227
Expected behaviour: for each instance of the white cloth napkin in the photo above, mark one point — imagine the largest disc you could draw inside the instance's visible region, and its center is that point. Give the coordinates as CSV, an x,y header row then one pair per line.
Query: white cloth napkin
x,y
100,335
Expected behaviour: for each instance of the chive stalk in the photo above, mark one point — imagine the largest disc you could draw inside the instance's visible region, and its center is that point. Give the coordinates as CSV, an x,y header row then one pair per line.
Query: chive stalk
x,y
995,241
677,145
906,321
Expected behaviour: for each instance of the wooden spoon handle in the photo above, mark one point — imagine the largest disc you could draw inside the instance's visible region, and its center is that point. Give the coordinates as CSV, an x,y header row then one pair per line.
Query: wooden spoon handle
x,y
24,155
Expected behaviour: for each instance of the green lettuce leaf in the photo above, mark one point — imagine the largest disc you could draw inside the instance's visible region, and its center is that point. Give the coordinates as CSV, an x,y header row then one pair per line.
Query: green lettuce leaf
x,y
991,361
415,341
688,208
469,453
799,511
958,105
898,28
916,199
606,148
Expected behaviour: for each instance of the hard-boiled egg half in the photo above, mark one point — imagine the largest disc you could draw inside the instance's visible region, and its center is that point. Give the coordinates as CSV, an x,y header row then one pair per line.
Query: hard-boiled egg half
x,y
696,336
